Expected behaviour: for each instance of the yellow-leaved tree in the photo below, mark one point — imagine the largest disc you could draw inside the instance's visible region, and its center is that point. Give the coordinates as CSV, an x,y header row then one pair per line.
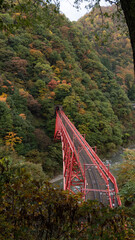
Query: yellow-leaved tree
x,y
11,139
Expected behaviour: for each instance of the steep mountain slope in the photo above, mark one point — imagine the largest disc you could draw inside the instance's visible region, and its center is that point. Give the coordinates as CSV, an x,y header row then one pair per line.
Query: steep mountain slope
x,y
109,35
42,66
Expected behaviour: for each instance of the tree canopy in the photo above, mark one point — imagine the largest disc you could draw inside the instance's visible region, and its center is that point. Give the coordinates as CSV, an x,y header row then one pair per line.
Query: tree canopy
x,y
128,9
47,60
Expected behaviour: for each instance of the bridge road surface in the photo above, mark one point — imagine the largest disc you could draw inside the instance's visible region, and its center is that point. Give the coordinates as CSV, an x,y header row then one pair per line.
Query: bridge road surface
x,y
94,180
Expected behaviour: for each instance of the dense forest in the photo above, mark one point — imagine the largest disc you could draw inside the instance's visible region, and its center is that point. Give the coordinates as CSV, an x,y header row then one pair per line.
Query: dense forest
x,y
52,61
42,66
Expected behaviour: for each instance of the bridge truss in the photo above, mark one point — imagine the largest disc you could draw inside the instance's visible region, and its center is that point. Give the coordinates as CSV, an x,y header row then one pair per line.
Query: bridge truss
x,y
83,171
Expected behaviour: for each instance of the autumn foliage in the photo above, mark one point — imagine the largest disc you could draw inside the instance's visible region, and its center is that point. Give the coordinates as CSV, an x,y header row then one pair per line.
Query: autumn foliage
x,y
36,210
11,139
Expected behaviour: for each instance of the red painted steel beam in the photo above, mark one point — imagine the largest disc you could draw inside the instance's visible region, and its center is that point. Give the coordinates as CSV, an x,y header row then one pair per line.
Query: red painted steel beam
x,y
73,171
96,160
73,174
93,160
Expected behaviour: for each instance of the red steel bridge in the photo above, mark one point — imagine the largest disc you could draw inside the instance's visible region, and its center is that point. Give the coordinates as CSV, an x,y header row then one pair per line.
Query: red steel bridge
x,y
83,171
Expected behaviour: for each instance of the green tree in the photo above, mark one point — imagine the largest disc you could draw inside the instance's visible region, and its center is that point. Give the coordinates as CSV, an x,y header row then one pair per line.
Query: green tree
x,y
126,177
30,208
128,8
71,104
6,121
62,91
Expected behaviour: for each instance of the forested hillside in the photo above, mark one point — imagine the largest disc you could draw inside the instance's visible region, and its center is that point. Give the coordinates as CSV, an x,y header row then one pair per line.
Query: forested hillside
x,y
46,60
109,35
45,64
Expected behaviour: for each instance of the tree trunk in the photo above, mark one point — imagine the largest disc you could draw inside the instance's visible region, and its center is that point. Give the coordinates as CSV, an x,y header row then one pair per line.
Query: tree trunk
x,y
128,7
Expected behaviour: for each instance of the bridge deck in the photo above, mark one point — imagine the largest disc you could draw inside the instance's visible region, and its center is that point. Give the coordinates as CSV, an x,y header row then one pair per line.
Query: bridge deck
x,y
99,181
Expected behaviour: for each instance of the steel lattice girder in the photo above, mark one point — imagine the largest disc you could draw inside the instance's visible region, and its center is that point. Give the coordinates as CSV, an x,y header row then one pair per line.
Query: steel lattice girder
x,y
73,174
73,171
